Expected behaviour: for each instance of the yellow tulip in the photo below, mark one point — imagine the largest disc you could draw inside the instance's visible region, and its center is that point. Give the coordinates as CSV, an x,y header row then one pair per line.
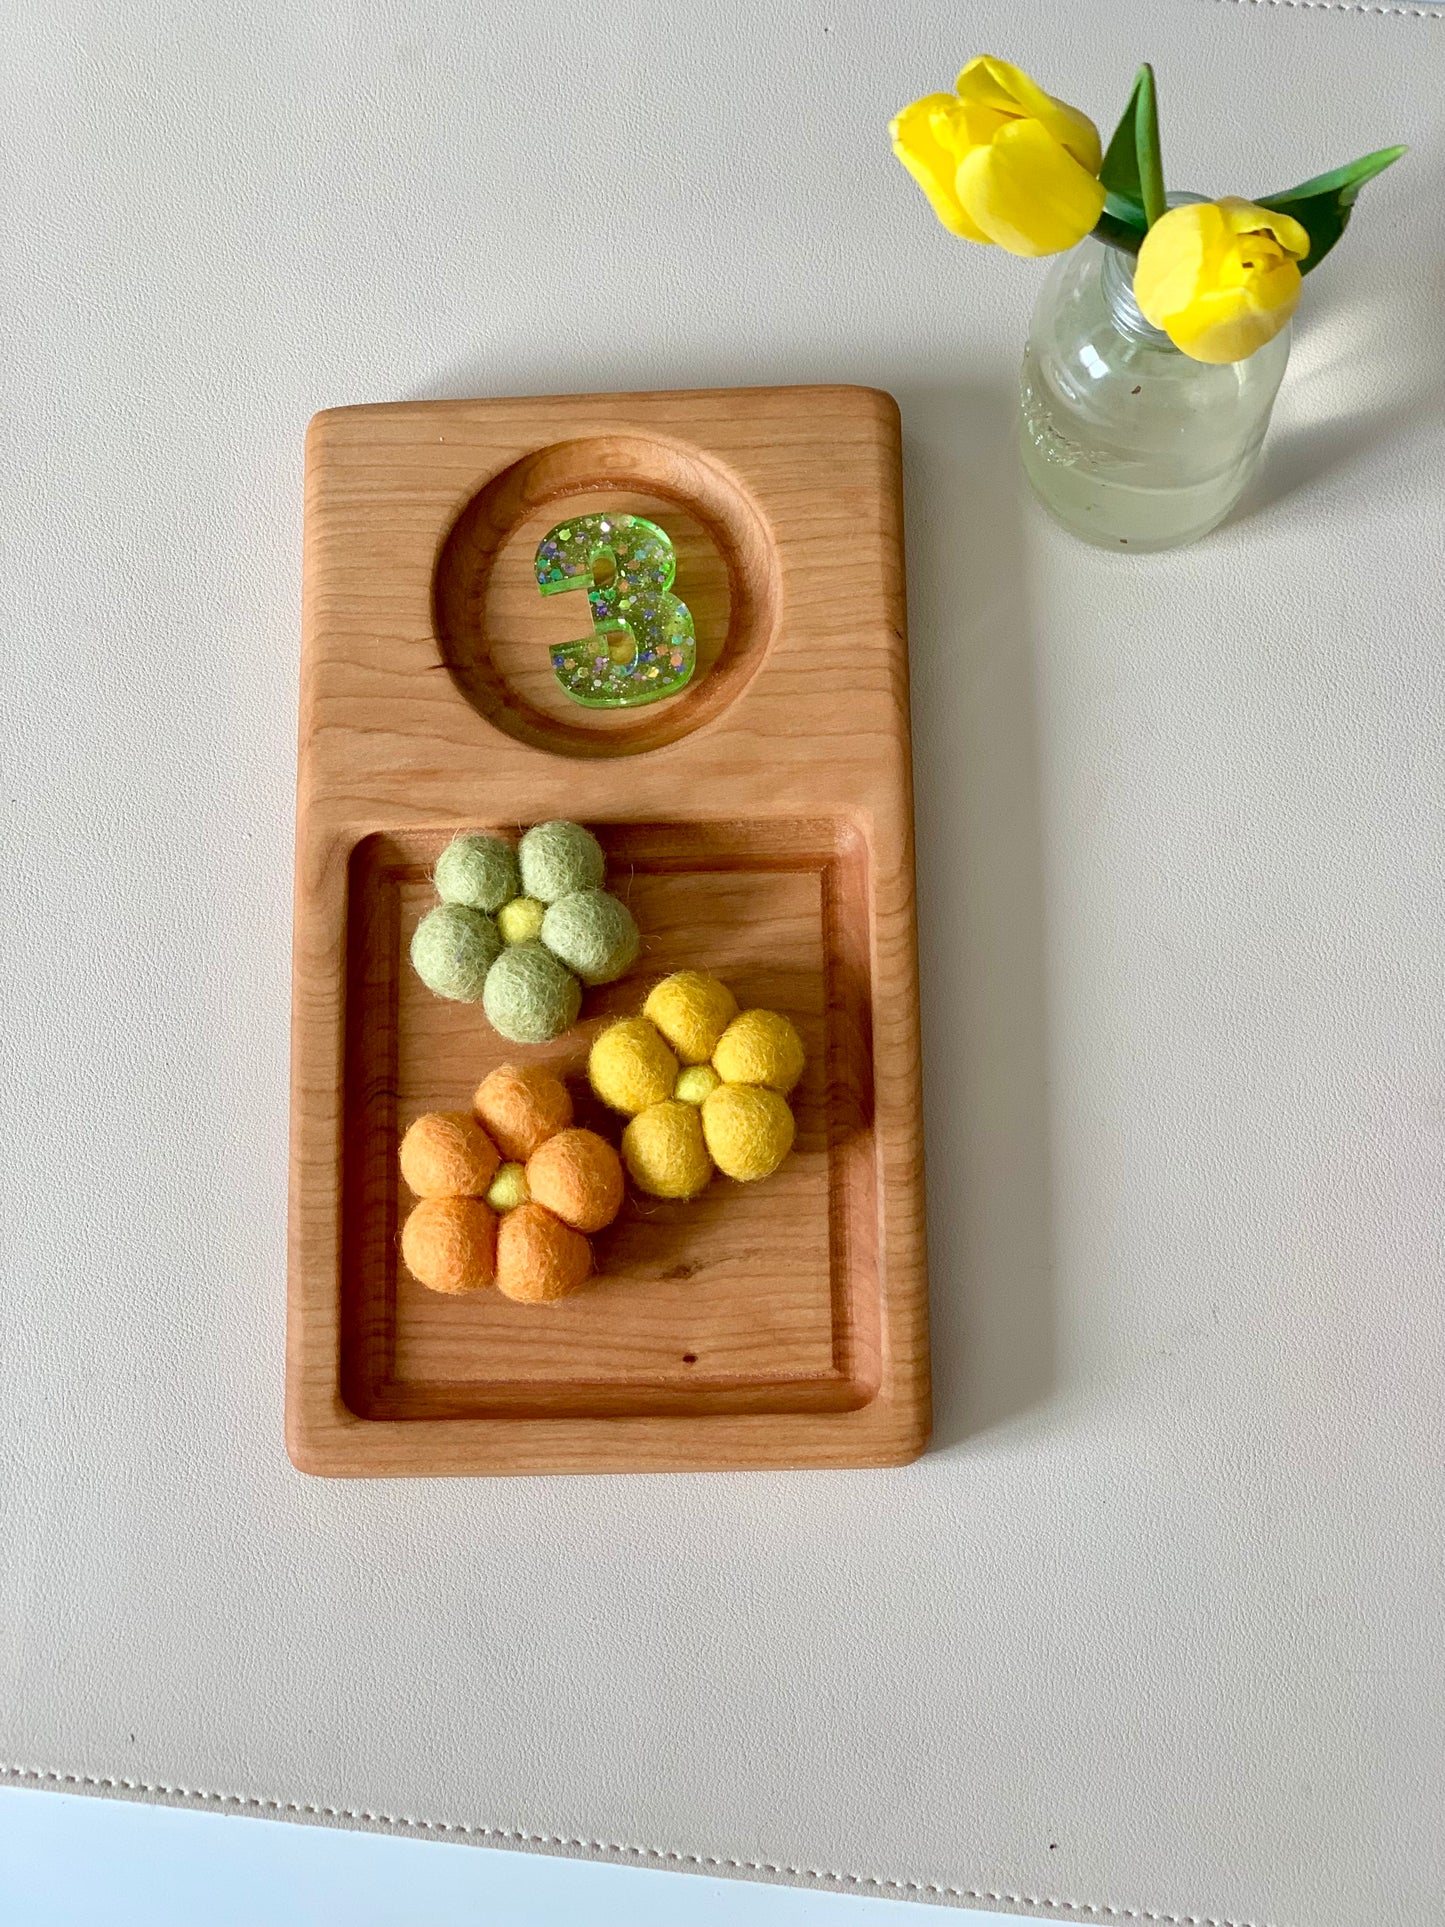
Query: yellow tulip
x,y
1221,278
1001,161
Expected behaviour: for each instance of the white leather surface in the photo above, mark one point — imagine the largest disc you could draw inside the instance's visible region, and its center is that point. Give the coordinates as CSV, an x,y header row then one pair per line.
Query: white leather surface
x,y
1156,1630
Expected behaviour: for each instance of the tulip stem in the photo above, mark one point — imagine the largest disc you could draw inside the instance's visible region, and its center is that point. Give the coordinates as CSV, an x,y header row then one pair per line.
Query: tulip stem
x,y
1117,234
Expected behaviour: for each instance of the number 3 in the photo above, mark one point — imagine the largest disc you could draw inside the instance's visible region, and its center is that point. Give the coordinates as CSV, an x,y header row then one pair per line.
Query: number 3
x,y
642,646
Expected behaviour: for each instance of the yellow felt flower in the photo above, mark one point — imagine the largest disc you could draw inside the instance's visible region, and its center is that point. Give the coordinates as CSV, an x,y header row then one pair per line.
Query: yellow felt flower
x,y
1001,161
690,1115
1221,278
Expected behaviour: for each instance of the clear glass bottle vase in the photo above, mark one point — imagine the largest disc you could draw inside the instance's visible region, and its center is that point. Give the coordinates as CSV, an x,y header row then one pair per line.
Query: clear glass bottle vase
x,y
1128,442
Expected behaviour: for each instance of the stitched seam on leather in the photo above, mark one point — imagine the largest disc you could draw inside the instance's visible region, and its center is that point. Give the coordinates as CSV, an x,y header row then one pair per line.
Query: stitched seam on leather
x,y
1344,6
41,1775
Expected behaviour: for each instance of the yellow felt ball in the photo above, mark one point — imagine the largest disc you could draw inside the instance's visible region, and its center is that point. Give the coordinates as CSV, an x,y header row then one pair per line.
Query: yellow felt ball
x,y
578,1177
508,1188
664,1151
631,1067
692,1010
449,1244
539,1258
521,1106
760,1047
520,921
749,1130
695,1082
446,1155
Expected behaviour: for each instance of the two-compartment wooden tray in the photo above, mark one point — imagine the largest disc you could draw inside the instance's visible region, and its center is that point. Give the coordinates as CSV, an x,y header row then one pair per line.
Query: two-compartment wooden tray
x,y
760,826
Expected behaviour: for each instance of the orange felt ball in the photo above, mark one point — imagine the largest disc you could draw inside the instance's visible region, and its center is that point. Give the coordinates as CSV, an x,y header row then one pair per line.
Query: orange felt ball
x,y
579,1176
450,1244
538,1257
521,1106
446,1154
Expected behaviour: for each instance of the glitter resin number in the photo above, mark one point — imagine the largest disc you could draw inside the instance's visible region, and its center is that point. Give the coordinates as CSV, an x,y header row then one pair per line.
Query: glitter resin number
x,y
642,646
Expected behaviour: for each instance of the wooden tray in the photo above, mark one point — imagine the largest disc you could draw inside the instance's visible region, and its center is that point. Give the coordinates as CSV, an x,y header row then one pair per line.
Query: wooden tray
x,y
760,826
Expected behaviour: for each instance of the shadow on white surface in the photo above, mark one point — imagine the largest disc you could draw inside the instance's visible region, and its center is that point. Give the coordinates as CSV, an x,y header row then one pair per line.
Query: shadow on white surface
x,y
978,807
67,1861
1353,388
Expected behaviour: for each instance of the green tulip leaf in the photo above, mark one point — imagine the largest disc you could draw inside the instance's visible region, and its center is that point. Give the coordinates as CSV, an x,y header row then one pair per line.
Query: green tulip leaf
x,y
1133,172
1322,205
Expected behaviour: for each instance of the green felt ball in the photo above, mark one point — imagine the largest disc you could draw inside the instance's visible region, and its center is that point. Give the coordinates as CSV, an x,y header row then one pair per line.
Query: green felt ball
x,y
593,934
453,949
530,997
558,858
479,871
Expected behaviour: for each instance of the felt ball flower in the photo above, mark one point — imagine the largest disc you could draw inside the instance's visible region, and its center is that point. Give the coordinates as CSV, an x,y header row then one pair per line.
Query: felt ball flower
x,y
703,1084
1003,162
523,930
507,1191
1221,278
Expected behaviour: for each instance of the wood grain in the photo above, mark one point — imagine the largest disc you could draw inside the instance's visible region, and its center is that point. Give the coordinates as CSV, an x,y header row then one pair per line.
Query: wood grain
x,y
759,825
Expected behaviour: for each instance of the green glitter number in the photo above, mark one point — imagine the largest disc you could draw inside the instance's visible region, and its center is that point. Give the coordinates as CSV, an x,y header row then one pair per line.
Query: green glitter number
x,y
642,646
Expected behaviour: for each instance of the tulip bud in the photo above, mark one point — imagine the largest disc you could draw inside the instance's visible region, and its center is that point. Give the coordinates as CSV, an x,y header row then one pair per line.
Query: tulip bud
x,y
1221,278
1003,162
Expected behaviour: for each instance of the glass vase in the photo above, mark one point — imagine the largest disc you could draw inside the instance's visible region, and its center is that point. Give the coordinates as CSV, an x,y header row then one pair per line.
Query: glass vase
x,y
1128,442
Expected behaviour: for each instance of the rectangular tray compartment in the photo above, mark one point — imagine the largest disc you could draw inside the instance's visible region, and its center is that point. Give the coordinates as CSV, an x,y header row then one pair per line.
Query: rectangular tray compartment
x,y
749,1299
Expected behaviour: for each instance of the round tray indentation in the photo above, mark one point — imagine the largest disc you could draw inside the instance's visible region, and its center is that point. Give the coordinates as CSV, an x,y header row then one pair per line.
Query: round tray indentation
x,y
497,631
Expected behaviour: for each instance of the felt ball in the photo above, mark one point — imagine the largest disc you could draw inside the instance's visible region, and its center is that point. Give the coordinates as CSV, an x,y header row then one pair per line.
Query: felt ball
x,y
520,1107
749,1130
530,997
578,1176
538,1257
453,949
631,1067
692,1010
695,1083
508,1188
760,1047
520,921
593,934
479,871
664,1151
449,1244
558,858
446,1154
